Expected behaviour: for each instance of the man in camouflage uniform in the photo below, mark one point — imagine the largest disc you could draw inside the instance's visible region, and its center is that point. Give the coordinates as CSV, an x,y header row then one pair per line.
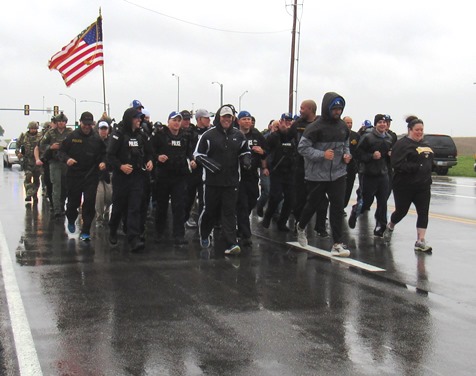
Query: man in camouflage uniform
x,y
25,146
51,143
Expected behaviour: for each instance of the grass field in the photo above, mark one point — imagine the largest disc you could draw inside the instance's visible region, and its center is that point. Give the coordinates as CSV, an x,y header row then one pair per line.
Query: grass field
x,y
464,167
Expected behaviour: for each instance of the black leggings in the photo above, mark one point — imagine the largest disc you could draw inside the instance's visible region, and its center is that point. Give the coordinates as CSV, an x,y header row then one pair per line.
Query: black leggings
x,y
405,197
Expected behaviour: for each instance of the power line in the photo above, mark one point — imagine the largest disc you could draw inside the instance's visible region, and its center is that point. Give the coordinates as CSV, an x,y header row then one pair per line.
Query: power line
x,y
204,26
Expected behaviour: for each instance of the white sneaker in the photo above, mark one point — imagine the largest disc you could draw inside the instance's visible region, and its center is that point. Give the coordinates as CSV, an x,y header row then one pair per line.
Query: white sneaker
x,y
340,250
191,223
233,250
422,246
301,236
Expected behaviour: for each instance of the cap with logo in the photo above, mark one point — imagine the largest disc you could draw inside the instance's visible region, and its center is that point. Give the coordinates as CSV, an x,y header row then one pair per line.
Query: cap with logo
x,y
87,118
103,124
137,104
175,114
337,102
225,110
287,116
244,114
367,123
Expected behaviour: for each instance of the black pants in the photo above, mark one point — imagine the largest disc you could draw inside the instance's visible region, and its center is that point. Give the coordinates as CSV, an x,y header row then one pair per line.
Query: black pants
x,y
173,188
127,196
248,193
405,197
376,186
219,206
300,192
317,191
194,187
280,187
78,187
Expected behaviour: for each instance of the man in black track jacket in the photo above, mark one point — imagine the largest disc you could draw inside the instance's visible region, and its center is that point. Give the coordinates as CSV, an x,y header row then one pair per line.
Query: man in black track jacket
x,y
220,151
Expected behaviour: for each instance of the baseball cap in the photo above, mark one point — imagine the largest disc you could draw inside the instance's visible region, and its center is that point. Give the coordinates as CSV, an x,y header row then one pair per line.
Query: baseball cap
x,y
244,114
186,115
287,116
87,118
202,113
225,110
367,123
388,117
175,114
137,104
145,112
103,124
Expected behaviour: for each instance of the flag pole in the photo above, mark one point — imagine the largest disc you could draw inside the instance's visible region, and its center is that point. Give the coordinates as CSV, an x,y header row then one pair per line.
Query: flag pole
x,y
103,75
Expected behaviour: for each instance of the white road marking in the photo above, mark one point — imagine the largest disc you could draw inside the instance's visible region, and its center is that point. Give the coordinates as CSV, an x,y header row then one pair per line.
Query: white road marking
x,y
452,195
28,361
343,260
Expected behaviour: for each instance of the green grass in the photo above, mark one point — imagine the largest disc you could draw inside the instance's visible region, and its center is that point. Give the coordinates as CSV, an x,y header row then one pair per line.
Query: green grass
x,y
464,167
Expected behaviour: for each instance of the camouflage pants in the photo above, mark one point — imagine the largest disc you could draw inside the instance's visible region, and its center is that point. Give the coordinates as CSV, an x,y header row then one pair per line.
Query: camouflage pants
x,y
32,179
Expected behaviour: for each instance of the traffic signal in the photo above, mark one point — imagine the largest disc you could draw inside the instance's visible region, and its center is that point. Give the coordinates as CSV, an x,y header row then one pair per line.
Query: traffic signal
x,y
55,110
26,109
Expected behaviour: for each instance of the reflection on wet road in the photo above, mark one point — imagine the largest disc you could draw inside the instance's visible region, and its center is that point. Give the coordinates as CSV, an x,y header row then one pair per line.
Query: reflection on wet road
x,y
274,310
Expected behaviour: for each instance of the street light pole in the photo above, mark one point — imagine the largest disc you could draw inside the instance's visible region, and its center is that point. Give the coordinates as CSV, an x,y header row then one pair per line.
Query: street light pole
x,y
107,104
74,100
239,100
178,91
221,92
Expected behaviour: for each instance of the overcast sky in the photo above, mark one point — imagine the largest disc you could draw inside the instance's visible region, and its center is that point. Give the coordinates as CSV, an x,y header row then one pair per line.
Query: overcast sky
x,y
399,57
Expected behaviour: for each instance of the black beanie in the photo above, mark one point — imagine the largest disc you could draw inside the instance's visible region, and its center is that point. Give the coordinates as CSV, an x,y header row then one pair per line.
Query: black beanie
x,y
379,117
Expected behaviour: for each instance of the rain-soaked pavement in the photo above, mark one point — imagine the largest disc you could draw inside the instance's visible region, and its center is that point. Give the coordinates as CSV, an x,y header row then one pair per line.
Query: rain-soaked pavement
x,y
274,310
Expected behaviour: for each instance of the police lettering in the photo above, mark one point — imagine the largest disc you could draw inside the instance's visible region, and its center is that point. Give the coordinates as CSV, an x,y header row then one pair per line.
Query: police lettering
x,y
133,143
175,143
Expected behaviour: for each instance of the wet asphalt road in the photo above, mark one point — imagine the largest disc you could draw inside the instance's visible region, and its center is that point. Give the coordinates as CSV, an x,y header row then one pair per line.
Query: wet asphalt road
x,y
274,310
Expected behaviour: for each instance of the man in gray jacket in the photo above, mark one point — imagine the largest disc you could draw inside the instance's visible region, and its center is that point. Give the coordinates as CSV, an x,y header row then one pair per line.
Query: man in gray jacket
x,y
325,148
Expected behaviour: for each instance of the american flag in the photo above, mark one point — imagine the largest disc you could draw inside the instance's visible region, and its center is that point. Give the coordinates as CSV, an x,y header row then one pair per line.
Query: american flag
x,y
81,55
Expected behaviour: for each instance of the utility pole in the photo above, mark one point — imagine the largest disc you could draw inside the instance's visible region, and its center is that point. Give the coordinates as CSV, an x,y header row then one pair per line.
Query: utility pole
x,y
291,69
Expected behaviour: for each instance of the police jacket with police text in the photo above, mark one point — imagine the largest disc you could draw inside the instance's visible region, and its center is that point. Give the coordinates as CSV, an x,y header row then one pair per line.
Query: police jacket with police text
x,y
128,147
178,150
282,152
254,138
88,150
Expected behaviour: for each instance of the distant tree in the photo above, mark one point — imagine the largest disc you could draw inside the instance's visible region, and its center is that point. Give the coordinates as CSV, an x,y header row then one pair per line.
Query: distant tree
x,y
2,131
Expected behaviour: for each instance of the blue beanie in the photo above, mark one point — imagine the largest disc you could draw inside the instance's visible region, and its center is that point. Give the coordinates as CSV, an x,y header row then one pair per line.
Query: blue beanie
x,y
337,102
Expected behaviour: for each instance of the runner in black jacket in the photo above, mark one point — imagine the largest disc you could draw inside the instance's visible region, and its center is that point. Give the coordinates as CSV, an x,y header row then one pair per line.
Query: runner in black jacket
x,y
373,152
130,155
174,164
84,152
412,160
220,151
